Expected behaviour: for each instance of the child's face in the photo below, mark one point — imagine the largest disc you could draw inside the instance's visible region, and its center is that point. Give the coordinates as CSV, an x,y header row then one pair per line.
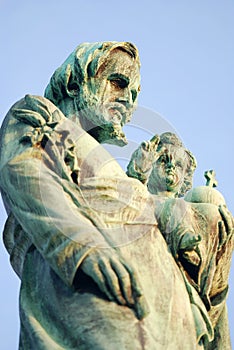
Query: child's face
x,y
169,170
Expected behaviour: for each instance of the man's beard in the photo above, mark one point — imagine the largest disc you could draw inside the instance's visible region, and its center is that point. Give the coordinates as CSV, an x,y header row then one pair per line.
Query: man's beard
x,y
103,122
108,133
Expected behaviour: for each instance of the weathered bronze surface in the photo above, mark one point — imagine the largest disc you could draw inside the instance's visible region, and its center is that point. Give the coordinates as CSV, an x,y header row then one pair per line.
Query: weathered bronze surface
x,y
109,260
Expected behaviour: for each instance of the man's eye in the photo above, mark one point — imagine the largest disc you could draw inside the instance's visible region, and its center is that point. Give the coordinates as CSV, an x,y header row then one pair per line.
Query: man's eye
x,y
118,80
119,83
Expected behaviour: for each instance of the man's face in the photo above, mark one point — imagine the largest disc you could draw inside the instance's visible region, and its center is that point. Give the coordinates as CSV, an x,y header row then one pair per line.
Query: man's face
x,y
114,92
169,170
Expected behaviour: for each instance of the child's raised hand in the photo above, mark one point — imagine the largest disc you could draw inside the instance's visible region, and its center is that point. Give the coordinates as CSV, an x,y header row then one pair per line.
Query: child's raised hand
x,y
143,158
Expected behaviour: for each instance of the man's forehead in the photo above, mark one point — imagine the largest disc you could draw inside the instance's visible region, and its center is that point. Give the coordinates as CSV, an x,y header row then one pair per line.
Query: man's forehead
x,y
119,61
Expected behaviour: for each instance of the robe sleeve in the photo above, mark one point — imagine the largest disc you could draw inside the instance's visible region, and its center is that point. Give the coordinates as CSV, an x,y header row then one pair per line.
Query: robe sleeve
x,y
41,202
39,191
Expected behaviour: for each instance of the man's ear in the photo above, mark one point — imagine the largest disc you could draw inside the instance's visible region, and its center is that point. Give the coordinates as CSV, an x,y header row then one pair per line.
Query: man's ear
x,y
71,83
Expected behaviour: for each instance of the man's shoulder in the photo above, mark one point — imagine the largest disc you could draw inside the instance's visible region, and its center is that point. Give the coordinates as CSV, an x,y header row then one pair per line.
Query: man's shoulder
x,y
31,110
33,103
26,119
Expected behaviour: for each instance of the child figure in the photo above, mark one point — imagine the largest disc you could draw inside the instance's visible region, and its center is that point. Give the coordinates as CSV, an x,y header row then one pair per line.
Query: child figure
x,y
167,168
196,224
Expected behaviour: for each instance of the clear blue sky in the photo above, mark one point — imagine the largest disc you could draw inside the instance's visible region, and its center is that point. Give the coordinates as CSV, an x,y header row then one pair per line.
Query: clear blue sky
x,y
187,56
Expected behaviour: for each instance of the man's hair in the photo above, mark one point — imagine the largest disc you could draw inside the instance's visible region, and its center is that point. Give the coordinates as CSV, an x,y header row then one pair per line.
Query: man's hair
x,y
82,64
172,139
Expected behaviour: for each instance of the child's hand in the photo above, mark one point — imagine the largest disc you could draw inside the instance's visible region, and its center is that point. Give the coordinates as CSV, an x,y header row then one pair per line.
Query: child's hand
x,y
189,241
189,248
143,158
148,149
226,225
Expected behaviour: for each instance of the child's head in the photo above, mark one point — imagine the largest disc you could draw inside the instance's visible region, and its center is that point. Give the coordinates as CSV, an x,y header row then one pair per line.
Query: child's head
x,y
172,172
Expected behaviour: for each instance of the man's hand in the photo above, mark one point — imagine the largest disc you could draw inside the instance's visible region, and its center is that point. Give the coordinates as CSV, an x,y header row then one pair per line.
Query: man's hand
x,y
116,279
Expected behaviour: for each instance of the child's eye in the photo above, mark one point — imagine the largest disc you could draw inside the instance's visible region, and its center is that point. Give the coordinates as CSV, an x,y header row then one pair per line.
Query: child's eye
x,y
179,164
162,160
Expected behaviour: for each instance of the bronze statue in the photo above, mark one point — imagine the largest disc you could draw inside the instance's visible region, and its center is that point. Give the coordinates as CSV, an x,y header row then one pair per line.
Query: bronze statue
x,y
83,236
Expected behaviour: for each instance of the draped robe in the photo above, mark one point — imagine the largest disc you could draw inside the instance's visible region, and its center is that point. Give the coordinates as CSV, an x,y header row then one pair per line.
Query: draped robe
x,y
65,196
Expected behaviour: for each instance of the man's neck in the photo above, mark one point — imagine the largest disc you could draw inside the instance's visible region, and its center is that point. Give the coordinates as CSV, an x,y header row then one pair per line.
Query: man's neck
x,y
67,106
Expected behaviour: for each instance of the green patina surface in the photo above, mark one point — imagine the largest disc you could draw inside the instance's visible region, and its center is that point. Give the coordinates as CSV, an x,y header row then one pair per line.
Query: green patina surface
x,y
108,259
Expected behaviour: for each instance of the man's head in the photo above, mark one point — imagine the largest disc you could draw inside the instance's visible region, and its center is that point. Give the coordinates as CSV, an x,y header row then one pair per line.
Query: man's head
x,y
98,83
173,171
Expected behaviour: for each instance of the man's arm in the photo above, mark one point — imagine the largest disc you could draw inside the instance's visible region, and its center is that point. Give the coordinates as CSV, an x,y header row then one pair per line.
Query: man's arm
x,y
43,204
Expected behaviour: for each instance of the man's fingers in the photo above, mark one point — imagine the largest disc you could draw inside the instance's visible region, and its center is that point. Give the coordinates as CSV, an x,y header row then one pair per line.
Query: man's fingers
x,y
141,307
136,288
116,280
94,272
124,281
112,281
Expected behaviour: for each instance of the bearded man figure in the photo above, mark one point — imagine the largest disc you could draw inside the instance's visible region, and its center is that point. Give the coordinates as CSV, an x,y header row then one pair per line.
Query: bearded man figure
x,y
95,270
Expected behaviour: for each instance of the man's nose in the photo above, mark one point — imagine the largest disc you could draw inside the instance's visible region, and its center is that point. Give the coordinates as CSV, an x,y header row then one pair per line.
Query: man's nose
x,y
126,97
